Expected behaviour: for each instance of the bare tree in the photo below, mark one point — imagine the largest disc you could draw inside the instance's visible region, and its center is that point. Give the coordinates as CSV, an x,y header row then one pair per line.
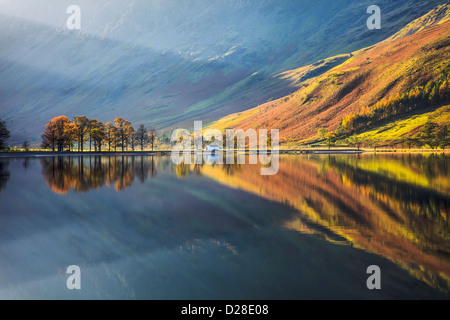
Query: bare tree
x,y
26,146
124,130
111,134
152,135
98,134
132,139
142,136
81,129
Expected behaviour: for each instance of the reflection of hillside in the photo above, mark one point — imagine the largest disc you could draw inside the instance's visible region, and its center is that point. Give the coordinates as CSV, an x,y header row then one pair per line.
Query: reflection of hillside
x,y
92,172
4,173
402,221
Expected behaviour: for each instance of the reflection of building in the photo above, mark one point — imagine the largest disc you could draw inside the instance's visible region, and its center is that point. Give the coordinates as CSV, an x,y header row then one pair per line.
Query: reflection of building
x,y
92,172
213,148
212,154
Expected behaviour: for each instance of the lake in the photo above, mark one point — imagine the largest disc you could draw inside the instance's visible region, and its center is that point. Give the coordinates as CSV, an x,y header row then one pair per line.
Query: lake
x,y
140,227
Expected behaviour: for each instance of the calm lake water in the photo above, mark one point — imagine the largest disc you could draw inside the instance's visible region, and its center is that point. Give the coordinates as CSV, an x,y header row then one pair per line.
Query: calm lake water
x,y
140,227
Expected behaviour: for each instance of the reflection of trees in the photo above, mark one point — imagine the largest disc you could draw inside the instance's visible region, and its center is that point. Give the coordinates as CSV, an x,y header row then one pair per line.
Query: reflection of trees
x,y
4,173
416,216
181,170
142,169
414,199
92,172
26,163
397,207
232,169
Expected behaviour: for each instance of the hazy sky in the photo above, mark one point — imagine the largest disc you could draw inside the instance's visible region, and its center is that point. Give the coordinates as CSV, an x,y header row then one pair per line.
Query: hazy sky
x,y
51,12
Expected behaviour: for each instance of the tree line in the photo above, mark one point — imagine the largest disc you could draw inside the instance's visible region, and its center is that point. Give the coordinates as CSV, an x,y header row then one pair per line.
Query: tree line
x,y
430,134
416,99
435,92
62,134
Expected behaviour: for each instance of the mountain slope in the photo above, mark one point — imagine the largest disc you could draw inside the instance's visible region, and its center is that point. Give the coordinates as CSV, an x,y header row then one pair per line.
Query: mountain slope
x,y
167,63
385,70
438,15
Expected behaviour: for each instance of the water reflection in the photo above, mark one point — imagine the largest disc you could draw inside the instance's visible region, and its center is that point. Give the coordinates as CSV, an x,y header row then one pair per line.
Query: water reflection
x,y
4,173
396,206
92,172
83,173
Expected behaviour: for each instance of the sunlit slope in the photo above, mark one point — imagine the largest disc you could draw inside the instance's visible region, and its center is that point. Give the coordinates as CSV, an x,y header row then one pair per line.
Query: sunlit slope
x,y
397,130
390,212
384,70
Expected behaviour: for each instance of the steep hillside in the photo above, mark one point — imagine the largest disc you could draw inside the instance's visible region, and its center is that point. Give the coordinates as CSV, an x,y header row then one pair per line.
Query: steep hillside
x,y
438,15
167,63
400,67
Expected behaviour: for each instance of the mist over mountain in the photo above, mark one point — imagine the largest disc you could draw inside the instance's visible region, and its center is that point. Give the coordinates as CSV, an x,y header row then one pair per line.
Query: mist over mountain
x,y
166,63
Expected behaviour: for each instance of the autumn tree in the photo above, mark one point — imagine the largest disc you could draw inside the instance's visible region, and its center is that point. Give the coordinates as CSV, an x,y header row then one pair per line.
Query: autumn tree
x,y
373,143
164,139
353,142
132,140
91,126
152,135
409,142
356,141
70,135
124,130
98,134
330,138
142,137
4,135
110,134
427,134
58,134
442,137
82,128
322,132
